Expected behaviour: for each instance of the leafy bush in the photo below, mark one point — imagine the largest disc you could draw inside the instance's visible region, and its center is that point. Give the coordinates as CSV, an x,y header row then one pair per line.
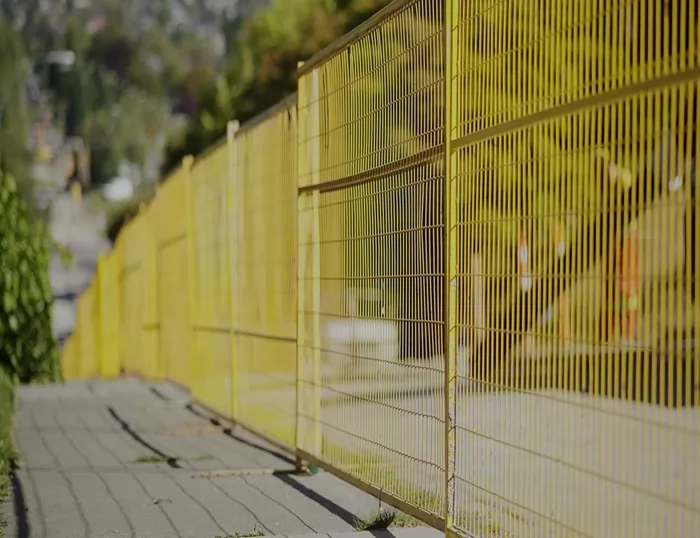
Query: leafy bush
x,y
28,349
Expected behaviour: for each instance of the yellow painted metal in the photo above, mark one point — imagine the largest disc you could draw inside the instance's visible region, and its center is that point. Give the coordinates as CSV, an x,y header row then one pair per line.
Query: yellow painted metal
x,y
211,323
265,301
109,315
575,151
457,269
118,255
173,279
150,323
309,432
451,246
134,294
371,238
87,364
192,376
232,259
70,358
140,300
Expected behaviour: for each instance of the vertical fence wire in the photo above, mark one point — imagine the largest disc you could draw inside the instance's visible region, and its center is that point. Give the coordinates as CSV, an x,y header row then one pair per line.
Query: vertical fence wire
x,y
173,279
87,365
212,307
109,315
574,154
133,296
371,317
265,272
457,269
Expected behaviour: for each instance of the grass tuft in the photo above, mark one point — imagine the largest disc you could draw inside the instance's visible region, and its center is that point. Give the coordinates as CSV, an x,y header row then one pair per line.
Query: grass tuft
x,y
156,459
249,534
376,522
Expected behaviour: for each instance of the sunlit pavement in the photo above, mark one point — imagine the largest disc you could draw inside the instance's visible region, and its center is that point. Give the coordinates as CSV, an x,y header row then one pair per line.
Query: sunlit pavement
x,y
127,458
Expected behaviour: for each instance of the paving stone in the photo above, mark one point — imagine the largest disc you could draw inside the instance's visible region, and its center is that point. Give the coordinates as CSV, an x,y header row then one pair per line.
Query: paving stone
x,y
79,443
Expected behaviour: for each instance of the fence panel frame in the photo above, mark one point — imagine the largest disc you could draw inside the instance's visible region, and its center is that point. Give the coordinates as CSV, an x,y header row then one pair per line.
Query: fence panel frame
x,y
310,188
87,347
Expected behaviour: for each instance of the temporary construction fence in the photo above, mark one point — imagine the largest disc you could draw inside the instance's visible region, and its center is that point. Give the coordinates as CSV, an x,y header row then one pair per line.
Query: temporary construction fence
x,y
457,269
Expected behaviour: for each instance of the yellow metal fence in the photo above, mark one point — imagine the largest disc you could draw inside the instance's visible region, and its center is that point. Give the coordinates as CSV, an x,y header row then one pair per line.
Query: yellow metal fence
x,y
457,269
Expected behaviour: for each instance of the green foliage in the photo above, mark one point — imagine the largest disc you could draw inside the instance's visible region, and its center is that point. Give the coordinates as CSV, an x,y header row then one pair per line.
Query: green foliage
x,y
123,83
27,347
14,155
379,521
264,52
125,131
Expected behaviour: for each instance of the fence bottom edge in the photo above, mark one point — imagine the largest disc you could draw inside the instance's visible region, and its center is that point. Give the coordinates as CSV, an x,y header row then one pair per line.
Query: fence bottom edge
x,y
411,509
302,456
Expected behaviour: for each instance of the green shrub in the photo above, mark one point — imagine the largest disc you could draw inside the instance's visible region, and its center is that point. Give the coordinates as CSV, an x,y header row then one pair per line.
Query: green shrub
x,y
28,350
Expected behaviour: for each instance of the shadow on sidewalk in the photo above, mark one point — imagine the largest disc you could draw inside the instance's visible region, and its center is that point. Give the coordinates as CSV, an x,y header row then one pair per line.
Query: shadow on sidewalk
x,y
172,462
20,507
288,479
329,505
230,431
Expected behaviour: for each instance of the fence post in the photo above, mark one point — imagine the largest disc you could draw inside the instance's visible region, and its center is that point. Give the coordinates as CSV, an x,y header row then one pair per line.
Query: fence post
x,y
301,293
232,242
450,267
187,163
315,164
308,226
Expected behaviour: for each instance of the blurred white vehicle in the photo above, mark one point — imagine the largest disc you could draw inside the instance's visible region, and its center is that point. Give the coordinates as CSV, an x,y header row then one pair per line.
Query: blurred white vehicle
x,y
118,189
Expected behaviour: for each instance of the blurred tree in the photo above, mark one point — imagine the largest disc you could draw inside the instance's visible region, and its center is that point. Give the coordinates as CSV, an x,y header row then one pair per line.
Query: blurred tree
x,y
159,55
14,119
112,49
124,131
263,52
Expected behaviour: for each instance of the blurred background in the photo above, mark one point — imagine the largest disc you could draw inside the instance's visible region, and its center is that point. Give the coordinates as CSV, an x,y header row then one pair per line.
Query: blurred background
x,y
100,99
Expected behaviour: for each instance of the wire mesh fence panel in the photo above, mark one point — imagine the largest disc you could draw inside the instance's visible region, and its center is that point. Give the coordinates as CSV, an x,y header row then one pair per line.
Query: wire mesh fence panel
x,y
70,357
173,279
133,283
265,288
150,322
140,315
371,116
212,320
109,314
458,269
88,366
121,281
574,182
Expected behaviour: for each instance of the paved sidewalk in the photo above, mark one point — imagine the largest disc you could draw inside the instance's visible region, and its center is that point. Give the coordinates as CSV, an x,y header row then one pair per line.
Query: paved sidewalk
x,y
129,459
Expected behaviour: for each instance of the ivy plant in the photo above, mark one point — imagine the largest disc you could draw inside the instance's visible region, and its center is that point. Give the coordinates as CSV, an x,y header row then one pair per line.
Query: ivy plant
x,y
28,350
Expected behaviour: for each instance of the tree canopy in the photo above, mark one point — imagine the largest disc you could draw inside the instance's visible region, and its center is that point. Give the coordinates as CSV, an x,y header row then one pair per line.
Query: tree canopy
x,y
14,157
263,53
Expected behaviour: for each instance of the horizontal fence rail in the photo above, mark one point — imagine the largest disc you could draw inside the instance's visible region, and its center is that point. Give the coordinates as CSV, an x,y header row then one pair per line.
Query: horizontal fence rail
x,y
456,269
